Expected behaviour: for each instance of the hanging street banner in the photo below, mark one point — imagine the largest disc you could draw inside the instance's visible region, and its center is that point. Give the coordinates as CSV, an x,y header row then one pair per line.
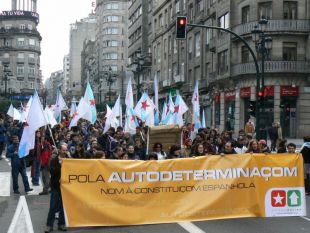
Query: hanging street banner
x,y
122,192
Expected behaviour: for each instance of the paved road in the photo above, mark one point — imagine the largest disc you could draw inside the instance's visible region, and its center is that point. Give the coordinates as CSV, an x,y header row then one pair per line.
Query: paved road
x,y
38,208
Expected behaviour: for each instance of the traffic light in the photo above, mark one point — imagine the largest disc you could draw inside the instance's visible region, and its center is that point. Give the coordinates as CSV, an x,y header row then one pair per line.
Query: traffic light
x,y
252,108
181,27
261,97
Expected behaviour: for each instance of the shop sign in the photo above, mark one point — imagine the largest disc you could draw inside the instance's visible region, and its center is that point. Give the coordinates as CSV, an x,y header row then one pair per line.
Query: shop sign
x,y
245,92
289,91
230,96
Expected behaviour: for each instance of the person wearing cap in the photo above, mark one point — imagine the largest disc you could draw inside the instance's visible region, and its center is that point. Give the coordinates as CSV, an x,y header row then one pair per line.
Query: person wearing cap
x,y
263,146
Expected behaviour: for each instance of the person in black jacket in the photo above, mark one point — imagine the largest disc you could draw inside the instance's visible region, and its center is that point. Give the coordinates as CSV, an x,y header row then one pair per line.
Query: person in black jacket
x,y
56,204
305,151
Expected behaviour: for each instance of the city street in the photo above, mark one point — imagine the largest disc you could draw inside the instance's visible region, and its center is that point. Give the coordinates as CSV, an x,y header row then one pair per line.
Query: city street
x,y
38,208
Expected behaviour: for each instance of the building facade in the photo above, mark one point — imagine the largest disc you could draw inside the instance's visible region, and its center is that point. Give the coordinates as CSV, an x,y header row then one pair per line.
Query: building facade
x,y
66,70
80,31
140,42
20,50
52,84
112,48
223,66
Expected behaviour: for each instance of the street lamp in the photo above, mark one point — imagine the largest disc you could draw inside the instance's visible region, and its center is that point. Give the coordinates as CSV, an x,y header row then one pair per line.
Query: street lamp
x,y
7,73
263,44
110,81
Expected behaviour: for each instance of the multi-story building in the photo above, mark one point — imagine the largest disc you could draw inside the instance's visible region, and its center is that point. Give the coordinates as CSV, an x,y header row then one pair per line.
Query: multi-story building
x,y
79,32
66,70
52,84
140,41
20,49
224,67
112,47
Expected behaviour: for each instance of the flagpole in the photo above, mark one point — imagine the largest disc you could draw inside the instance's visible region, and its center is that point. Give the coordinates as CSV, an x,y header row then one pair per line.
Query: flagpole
x,y
148,140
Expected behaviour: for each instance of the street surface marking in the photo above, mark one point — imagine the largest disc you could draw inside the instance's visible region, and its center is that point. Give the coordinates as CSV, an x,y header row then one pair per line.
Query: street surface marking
x,y
190,227
307,219
36,189
5,181
21,221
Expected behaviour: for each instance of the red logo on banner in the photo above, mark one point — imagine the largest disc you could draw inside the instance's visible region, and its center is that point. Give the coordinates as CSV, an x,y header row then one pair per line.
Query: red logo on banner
x,y
278,198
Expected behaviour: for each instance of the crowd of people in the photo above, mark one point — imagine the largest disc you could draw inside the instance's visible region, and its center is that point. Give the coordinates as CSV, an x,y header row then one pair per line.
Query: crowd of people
x,y
86,141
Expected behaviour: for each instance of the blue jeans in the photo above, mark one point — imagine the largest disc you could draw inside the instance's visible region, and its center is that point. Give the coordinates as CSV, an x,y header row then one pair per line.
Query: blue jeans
x,y
36,173
55,206
19,166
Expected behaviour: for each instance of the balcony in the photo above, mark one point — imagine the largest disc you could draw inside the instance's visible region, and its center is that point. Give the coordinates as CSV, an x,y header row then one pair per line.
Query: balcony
x,y
178,79
31,60
166,83
272,67
275,26
15,31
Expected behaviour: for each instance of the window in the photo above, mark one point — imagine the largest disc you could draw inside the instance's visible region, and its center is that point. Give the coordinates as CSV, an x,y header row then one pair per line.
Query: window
x,y
31,55
289,10
223,62
20,41
191,12
177,6
30,27
155,55
245,14
110,31
20,70
165,48
111,18
190,47
245,54
159,52
175,47
265,10
161,20
110,43
289,51
31,70
7,26
197,44
31,85
224,21
113,67
32,42
184,5
199,6
6,55
197,73
22,27
182,71
175,69
21,55
208,36
110,56
111,6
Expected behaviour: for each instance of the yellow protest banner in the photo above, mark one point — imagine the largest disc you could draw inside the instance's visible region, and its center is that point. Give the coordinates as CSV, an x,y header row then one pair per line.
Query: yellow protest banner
x,y
114,192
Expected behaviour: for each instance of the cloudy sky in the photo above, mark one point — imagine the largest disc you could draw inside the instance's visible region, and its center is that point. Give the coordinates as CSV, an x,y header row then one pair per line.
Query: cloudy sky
x,y
55,19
